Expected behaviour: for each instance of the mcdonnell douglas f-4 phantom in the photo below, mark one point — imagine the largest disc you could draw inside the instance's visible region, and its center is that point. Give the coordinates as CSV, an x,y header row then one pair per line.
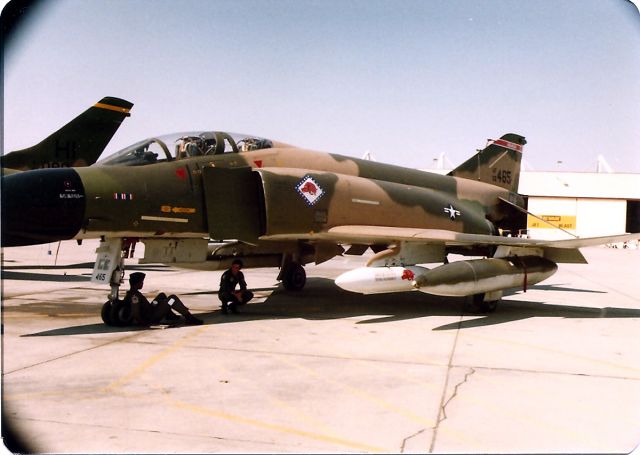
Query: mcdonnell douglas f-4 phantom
x,y
199,200
78,143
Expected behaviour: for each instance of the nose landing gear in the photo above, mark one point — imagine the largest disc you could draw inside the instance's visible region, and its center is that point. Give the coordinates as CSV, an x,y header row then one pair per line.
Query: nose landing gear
x,y
109,268
117,313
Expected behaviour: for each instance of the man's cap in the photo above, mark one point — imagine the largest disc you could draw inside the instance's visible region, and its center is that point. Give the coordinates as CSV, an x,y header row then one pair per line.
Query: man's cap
x,y
136,277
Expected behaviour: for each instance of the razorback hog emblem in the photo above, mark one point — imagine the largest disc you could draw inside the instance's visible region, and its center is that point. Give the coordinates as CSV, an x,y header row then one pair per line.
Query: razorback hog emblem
x,y
309,189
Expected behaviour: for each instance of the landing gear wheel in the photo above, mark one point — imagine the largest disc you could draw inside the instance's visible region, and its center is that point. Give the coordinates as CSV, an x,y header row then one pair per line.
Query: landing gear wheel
x,y
121,313
489,307
293,276
106,313
479,305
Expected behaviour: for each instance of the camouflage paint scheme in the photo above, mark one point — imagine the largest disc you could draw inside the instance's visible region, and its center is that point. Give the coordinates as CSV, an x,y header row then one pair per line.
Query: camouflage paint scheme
x,y
167,198
78,143
199,200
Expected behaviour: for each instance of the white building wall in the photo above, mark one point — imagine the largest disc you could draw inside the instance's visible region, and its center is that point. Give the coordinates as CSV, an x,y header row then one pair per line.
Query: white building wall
x,y
578,216
596,217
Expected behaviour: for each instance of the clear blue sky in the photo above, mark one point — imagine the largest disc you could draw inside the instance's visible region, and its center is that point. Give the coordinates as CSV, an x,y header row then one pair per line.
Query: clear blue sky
x,y
405,80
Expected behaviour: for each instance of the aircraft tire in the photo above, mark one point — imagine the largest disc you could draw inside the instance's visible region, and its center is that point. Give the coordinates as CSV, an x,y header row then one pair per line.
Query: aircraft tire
x,y
121,314
293,277
106,313
489,307
480,305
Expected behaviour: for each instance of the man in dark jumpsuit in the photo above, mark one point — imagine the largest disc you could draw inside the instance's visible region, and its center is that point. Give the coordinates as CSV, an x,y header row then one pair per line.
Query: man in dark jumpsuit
x,y
227,294
148,313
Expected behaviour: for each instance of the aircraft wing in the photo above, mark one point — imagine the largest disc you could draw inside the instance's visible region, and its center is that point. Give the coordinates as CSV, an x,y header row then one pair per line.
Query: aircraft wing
x,y
387,234
557,250
376,234
384,234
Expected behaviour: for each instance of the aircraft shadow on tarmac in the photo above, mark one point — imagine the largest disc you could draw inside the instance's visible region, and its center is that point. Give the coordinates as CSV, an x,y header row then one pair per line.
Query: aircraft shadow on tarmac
x,y
321,299
16,272
26,276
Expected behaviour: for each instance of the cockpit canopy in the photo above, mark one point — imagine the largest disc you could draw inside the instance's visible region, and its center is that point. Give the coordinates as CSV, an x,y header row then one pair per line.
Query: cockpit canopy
x,y
180,146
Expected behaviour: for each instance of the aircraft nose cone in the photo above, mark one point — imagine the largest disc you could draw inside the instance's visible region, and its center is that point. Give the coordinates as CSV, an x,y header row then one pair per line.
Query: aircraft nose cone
x,y
41,206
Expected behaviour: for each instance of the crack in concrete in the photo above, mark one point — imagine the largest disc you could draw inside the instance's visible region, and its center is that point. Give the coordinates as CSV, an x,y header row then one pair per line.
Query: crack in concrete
x,y
442,414
405,440
455,393
443,404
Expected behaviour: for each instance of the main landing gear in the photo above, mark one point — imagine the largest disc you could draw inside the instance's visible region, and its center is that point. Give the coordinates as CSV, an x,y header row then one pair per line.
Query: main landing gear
x,y
293,276
483,303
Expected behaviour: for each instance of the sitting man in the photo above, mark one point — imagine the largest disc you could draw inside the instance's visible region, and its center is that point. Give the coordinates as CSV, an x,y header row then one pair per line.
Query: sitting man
x,y
227,294
148,313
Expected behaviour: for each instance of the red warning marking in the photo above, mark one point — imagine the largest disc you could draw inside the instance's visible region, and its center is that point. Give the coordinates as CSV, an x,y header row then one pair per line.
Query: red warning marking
x,y
408,275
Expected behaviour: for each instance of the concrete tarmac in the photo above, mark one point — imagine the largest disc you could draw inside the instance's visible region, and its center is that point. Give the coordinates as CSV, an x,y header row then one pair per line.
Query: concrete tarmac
x,y
555,369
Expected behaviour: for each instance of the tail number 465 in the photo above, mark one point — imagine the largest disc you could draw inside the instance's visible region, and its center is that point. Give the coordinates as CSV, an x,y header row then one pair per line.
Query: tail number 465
x,y
501,176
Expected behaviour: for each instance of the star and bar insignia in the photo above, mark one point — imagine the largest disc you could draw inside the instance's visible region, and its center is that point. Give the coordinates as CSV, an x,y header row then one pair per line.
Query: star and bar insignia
x,y
453,213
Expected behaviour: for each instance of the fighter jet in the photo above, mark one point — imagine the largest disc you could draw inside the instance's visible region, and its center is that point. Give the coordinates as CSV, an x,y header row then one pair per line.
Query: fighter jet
x,y
201,199
78,143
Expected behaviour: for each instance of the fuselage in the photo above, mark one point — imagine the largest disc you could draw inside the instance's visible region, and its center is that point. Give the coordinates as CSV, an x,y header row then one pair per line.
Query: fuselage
x,y
168,198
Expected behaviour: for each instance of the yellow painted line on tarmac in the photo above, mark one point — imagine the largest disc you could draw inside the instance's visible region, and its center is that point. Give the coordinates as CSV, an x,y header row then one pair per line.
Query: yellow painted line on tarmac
x,y
43,394
151,361
360,393
279,428
114,387
538,421
459,435
429,423
556,351
578,406
300,415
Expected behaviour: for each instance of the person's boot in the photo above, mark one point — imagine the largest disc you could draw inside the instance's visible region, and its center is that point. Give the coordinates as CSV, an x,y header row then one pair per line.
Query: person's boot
x,y
171,316
186,314
233,308
192,320
225,309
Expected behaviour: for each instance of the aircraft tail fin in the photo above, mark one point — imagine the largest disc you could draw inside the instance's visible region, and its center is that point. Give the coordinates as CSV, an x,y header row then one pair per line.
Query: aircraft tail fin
x,y
78,143
498,163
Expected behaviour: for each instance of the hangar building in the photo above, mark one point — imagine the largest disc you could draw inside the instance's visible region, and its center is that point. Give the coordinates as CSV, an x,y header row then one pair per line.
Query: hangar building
x,y
584,204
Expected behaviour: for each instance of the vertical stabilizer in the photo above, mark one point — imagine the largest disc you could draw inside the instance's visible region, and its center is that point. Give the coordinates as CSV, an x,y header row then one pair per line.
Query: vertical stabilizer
x,y
498,163
78,143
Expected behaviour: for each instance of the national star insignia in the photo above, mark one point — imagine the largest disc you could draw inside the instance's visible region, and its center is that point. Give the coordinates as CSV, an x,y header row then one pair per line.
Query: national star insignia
x,y
453,213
